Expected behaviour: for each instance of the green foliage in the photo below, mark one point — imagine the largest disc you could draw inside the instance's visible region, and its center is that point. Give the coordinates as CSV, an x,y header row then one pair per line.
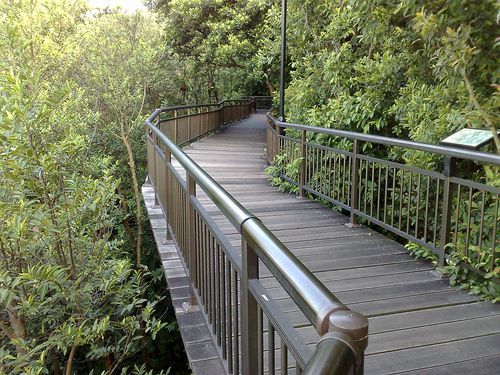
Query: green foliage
x,y
483,285
412,69
210,49
421,252
73,88
388,67
281,167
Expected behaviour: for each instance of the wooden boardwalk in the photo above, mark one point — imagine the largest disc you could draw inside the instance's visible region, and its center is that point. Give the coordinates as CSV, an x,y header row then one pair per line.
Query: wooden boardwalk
x,y
418,323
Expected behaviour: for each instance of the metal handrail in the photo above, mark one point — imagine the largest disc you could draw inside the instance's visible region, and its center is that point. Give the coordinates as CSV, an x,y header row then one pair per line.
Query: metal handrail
x,y
389,141
189,106
317,303
419,191
309,293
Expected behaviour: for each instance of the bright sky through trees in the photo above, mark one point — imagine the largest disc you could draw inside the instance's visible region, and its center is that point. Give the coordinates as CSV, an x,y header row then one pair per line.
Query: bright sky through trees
x,y
127,5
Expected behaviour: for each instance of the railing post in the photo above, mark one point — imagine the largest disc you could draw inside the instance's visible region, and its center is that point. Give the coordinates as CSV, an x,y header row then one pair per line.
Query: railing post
x,y
302,167
449,171
352,328
191,239
221,115
341,350
249,311
168,200
279,132
155,162
176,127
189,126
354,183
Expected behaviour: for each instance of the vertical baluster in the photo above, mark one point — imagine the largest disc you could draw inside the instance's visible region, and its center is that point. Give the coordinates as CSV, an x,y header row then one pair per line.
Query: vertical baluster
x,y
223,304
316,169
401,193
213,299
393,196
408,208
218,304
249,310
236,325
302,167
325,173
480,239
419,183
354,182
260,343
457,216
190,232
379,190
469,207
344,187
372,199
426,214
330,171
386,186
203,266
197,251
229,318
307,166
168,160
436,212
320,171
448,172
208,258
494,237
365,190
284,358
334,190
176,128
271,351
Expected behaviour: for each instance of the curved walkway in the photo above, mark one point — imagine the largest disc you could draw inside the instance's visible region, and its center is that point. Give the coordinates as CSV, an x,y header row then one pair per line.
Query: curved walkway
x,y
418,323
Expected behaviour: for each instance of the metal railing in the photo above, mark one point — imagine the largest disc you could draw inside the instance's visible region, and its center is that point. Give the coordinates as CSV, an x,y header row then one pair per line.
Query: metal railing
x,y
253,334
261,102
434,209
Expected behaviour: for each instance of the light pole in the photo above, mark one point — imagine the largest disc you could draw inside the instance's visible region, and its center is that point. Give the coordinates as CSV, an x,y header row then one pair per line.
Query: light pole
x,y
283,60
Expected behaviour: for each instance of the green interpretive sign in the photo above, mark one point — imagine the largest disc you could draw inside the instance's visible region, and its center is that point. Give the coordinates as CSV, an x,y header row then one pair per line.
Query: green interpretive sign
x,y
471,138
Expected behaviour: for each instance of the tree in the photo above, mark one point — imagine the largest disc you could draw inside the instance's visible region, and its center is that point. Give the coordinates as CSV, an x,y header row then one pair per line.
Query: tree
x,y
70,298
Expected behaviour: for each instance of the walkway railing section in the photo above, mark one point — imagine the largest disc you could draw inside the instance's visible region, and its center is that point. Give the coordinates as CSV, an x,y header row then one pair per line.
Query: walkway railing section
x,y
434,209
253,335
261,102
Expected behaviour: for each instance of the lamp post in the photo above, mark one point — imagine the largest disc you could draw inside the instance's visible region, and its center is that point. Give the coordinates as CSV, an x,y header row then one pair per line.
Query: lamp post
x,y
283,60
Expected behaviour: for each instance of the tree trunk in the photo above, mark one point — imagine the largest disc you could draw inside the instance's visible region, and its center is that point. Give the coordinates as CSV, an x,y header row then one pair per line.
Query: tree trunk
x,y
69,365
18,328
137,193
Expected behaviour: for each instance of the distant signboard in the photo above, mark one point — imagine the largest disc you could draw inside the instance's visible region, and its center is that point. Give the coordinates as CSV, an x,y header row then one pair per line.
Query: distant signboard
x,y
470,138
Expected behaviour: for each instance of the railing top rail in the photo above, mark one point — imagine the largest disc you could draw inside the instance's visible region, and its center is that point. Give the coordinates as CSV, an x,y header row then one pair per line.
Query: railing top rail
x,y
189,106
315,300
436,149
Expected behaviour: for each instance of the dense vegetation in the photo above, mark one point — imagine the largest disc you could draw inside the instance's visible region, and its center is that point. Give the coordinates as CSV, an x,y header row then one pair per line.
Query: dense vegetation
x,y
80,285
418,70
414,69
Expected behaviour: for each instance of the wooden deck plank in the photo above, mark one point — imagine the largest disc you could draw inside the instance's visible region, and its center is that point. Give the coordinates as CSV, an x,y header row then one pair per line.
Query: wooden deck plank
x,y
429,335
418,323
422,358
488,365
